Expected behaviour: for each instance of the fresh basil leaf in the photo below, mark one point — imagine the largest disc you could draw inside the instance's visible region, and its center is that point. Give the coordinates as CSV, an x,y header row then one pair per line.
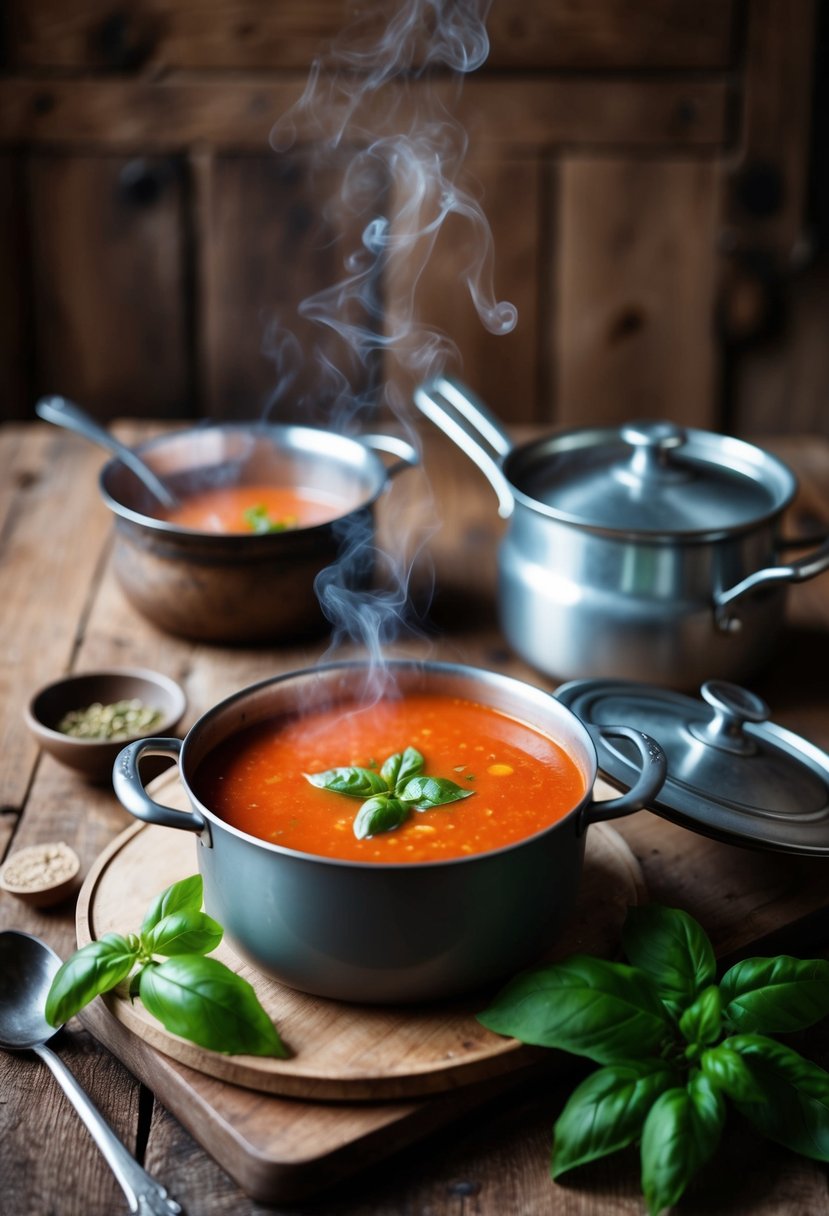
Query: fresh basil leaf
x,y
397,770
607,1112
355,782
202,1000
727,1070
589,1006
794,1109
95,968
183,896
425,792
380,814
682,1130
672,948
702,1021
775,995
184,933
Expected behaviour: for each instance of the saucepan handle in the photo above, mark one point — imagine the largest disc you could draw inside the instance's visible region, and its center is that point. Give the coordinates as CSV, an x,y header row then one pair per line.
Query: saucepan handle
x,y
130,792
407,456
797,571
648,784
469,424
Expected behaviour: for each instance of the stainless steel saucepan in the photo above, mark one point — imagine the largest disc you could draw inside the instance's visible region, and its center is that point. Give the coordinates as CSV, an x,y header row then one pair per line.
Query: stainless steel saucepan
x,y
647,551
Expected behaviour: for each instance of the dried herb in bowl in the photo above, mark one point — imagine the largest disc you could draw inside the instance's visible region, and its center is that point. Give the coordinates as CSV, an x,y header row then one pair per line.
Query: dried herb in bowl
x,y
120,720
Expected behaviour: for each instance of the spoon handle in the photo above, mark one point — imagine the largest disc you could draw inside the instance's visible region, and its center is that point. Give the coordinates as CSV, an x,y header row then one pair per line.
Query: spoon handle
x,y
144,1195
63,412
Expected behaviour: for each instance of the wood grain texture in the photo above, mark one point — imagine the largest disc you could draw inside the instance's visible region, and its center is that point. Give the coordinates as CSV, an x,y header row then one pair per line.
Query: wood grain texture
x,y
237,113
635,291
109,273
502,256
485,1159
339,1051
253,34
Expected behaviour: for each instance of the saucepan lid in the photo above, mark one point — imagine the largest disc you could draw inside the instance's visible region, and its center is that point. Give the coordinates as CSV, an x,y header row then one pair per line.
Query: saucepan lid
x,y
732,774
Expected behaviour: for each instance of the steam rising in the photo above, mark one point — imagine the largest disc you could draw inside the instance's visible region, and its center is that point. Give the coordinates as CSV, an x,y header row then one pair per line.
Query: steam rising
x,y
377,105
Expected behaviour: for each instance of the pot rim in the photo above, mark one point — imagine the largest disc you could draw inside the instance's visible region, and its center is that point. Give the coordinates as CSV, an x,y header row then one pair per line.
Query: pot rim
x,y
280,430
576,438
404,665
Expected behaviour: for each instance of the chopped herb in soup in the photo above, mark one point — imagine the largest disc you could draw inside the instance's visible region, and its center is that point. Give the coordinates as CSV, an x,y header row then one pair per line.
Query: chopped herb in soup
x,y
255,508
284,780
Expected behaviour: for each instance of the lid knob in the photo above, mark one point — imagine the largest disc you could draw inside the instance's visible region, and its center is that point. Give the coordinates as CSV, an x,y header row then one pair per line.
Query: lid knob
x,y
653,445
733,706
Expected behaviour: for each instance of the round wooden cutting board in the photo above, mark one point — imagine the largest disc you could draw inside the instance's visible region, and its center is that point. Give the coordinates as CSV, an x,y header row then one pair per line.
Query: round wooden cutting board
x,y
339,1051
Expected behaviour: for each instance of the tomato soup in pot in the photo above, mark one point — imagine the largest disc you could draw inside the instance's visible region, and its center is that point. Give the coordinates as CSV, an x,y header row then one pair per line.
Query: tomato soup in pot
x,y
503,780
254,508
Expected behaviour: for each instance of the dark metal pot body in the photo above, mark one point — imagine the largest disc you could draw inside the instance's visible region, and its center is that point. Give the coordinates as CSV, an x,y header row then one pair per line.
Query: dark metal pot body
x,y
580,599
247,588
387,933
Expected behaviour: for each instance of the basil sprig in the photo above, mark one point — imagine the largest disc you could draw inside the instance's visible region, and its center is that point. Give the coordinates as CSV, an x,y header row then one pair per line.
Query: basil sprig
x,y
260,522
391,794
195,997
674,1045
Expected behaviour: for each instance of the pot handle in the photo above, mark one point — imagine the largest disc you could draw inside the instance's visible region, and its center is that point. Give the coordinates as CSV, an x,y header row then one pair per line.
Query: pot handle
x,y
130,792
797,571
407,456
647,785
463,417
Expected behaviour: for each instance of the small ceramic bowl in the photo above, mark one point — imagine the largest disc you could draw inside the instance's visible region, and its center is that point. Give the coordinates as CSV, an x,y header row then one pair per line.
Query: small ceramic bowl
x,y
41,875
94,757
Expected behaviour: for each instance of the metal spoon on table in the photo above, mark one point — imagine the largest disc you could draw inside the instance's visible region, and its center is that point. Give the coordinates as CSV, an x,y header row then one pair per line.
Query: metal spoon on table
x,y
28,967
63,412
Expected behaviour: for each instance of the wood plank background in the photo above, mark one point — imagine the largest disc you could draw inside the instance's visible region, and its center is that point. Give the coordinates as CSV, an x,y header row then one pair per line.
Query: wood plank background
x,y
637,161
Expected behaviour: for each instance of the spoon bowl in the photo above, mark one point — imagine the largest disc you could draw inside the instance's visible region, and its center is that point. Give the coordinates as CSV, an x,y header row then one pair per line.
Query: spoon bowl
x,y
28,967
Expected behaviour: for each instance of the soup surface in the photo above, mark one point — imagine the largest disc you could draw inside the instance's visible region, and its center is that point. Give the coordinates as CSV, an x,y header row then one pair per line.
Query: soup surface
x,y
255,508
521,780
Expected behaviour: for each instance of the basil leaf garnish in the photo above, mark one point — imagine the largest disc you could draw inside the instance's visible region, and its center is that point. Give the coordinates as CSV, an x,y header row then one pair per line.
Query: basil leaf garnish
x,y
702,1021
425,792
671,947
183,896
727,1070
204,1001
199,998
397,770
794,1109
607,1112
681,1131
606,1011
399,786
184,933
95,968
353,781
380,814
775,995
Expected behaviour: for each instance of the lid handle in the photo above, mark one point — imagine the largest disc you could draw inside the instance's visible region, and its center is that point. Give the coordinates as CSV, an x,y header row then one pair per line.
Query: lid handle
x,y
654,444
733,707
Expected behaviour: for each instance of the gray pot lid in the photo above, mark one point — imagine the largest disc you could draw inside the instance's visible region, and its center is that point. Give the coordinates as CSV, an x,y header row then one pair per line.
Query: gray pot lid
x,y
651,477
732,774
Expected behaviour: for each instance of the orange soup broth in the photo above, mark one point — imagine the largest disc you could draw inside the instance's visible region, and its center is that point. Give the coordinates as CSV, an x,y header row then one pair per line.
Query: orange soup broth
x,y
223,509
522,780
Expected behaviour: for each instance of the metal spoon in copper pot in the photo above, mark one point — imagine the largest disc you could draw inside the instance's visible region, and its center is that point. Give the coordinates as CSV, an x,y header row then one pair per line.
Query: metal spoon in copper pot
x,y
28,967
65,413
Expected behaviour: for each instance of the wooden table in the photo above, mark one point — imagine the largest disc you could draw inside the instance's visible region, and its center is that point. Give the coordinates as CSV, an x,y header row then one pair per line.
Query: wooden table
x,y
61,610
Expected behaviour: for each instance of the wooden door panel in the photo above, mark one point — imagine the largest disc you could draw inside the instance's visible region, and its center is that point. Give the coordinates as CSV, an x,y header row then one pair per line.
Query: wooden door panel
x,y
505,370
273,235
109,276
254,34
636,276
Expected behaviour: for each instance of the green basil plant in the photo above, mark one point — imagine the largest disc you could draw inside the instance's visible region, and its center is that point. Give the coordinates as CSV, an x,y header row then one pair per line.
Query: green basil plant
x,y
674,1046
195,997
